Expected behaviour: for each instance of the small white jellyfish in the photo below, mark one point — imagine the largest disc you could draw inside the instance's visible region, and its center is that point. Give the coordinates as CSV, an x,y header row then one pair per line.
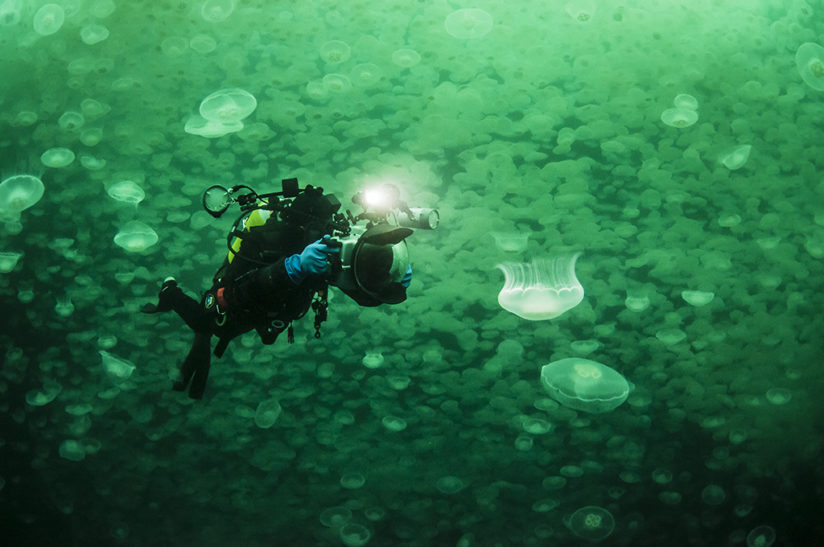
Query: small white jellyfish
x,y
71,120
670,337
592,523
49,19
216,11
19,192
198,125
352,481
697,298
8,260
10,15
679,117
335,52
202,43
228,105
372,359
585,385
761,536
449,484
511,242
267,413
580,10
126,191
542,289
365,74
636,301
468,23
93,108
64,306
737,157
336,83
406,57
135,236
93,34
115,366
354,535
57,157
779,396
393,423
809,59
684,100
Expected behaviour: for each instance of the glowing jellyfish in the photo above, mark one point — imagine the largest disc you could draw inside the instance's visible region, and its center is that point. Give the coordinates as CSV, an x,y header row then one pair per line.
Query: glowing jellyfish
x,y
406,57
585,385
393,423
761,536
581,10
335,517
198,125
216,11
684,100
335,52
679,117
115,366
10,12
354,535
135,237
468,23
267,413
8,260
737,157
202,43
352,481
697,298
809,59
19,192
592,523
336,83
365,74
71,120
542,289
449,484
372,359
511,242
779,396
93,34
228,105
49,19
57,157
127,191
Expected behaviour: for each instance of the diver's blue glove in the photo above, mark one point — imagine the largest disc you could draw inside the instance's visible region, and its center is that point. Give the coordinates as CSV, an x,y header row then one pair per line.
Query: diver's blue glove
x,y
313,260
407,277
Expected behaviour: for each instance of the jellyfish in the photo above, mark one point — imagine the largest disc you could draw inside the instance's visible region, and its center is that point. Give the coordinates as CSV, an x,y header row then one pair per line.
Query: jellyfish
x,y
406,57
228,105
679,117
135,236
684,100
365,74
19,192
809,59
585,385
127,191
779,396
511,242
581,10
761,536
216,11
354,535
335,517
592,523
202,43
267,413
468,23
71,120
697,298
49,19
10,12
393,423
336,83
57,157
335,52
372,359
64,306
542,289
737,157
8,260
449,484
352,481
93,34
198,125
115,366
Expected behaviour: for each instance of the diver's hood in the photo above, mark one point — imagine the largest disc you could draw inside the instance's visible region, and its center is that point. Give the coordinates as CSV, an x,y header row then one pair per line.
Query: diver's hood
x,y
379,262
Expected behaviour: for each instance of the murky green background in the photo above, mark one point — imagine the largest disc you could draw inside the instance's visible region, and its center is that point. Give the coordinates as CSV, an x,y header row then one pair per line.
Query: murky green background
x,y
547,123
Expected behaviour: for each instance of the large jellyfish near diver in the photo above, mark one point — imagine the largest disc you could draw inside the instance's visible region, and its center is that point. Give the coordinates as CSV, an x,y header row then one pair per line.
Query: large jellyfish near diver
x,y
135,236
541,289
19,192
586,385
591,522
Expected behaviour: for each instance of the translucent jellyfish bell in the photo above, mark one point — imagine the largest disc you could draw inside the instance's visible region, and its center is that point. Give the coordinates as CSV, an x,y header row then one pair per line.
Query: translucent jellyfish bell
x,y
19,192
49,19
679,117
406,57
809,59
468,23
135,237
10,12
581,10
57,157
115,366
592,523
334,52
684,100
8,260
737,157
228,105
216,11
512,242
127,191
541,289
586,385
198,125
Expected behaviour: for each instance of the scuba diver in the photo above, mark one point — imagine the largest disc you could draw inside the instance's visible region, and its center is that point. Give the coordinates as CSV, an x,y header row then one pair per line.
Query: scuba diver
x,y
285,250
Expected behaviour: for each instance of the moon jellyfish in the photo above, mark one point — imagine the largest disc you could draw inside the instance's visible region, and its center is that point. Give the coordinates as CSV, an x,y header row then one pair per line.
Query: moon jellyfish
x,y
8,260
541,289
468,23
228,105
581,10
127,191
334,52
737,157
761,536
57,157
449,484
115,366
372,359
679,117
335,517
93,34
809,59
135,237
354,535
697,298
585,385
10,12
592,523
406,57
19,192
779,396
684,100
365,74
198,125
512,242
267,413
49,19
216,11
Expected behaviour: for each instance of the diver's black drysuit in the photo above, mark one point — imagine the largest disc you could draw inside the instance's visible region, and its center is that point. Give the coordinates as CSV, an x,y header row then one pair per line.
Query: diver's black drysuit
x,y
253,291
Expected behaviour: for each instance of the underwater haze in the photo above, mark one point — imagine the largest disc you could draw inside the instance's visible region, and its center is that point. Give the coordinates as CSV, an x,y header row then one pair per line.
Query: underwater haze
x,y
674,147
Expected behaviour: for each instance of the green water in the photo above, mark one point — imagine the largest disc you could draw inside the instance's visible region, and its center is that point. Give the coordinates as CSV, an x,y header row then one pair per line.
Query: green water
x,y
541,118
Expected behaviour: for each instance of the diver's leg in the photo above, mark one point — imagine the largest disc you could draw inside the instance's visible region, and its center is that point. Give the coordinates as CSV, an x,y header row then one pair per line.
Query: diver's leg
x,y
172,298
195,367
